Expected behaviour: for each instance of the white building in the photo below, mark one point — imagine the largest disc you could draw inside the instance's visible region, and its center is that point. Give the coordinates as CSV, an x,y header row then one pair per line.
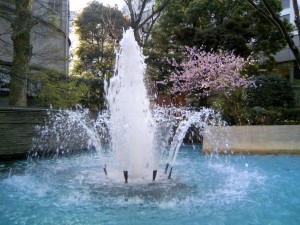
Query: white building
x,y
285,58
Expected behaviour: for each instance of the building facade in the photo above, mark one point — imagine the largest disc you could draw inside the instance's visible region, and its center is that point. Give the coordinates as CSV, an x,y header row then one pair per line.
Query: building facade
x,y
49,39
287,67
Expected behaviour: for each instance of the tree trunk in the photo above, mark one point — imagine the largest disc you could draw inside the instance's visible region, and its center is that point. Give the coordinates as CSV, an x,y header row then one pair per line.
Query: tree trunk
x,y
21,27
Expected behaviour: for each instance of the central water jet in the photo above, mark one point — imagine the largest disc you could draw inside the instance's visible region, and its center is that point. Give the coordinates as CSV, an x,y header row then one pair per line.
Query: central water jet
x,y
132,127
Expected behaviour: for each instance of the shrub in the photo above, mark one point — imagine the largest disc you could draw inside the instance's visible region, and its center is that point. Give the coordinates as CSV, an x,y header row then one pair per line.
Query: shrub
x,y
61,95
269,103
270,91
230,106
57,91
275,116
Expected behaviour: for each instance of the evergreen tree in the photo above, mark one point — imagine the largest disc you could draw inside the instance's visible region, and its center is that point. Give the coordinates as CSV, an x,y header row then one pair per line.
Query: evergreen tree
x,y
99,28
210,25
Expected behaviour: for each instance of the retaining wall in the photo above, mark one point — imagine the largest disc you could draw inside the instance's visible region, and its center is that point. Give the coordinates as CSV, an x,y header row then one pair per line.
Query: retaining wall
x,y
17,129
283,139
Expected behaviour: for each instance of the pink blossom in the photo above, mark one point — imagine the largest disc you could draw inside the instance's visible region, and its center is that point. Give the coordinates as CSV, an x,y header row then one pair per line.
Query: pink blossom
x,y
209,71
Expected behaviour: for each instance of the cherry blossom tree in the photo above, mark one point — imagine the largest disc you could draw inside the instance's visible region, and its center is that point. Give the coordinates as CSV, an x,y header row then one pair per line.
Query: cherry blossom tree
x,y
219,72
203,72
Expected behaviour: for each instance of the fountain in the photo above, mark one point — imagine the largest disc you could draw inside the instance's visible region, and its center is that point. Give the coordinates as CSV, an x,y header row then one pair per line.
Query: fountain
x,y
132,127
142,142
143,146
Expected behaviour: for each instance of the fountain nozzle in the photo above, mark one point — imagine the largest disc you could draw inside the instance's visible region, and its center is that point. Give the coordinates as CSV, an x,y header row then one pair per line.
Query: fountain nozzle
x,y
126,176
169,177
167,166
154,174
105,171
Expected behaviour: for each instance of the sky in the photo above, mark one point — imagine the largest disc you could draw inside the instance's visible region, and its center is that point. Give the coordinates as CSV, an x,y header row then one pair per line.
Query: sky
x,y
76,5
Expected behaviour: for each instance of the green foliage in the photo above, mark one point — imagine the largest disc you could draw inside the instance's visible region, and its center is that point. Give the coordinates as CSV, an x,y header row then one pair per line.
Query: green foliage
x,y
270,102
98,28
270,91
236,113
163,45
231,106
207,24
274,116
59,92
94,97
296,82
232,25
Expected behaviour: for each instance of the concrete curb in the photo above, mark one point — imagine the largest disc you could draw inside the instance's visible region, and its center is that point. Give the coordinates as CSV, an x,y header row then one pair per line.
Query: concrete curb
x,y
274,139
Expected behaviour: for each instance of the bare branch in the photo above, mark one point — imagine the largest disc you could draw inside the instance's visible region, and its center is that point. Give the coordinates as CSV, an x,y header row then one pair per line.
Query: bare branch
x,y
155,12
142,20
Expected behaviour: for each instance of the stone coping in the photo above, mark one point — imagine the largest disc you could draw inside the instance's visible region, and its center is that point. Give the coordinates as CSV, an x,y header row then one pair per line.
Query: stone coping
x,y
272,139
254,151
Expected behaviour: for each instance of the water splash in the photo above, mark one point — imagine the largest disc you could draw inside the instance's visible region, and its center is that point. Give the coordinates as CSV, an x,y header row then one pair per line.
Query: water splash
x,y
130,136
67,131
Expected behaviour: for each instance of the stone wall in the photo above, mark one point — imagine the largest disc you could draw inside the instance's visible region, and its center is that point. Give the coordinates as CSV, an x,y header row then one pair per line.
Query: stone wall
x,y
17,129
252,139
60,133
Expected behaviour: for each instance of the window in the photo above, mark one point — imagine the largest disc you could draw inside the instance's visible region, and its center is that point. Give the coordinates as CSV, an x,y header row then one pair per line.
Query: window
x,y
285,17
55,12
285,4
296,71
55,4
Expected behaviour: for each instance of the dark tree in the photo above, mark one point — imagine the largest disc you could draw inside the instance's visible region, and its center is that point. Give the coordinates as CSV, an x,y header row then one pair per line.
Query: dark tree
x,y
99,28
269,92
207,24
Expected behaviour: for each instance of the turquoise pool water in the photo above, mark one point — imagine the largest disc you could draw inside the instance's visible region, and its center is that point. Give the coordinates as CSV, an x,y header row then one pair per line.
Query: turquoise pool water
x,y
203,190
